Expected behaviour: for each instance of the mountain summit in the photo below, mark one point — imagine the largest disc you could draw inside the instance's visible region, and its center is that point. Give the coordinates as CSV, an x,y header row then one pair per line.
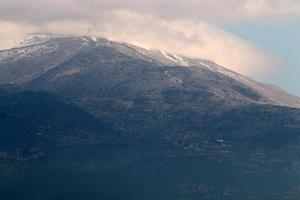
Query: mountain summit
x,y
65,58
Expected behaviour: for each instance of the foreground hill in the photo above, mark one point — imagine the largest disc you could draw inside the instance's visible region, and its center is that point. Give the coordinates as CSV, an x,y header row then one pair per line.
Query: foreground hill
x,y
37,120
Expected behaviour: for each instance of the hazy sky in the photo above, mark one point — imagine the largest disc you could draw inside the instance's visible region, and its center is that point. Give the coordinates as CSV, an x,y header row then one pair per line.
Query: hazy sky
x,y
259,38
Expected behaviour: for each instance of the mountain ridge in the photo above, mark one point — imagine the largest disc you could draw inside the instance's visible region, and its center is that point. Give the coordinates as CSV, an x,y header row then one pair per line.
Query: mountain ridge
x,y
68,47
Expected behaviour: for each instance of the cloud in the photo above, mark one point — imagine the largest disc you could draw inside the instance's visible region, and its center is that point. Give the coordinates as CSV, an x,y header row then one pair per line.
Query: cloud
x,y
211,10
180,26
12,33
269,8
185,37
189,38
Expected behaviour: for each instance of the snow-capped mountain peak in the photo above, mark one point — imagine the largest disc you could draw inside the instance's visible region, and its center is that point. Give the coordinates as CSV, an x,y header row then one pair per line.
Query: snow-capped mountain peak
x,y
40,53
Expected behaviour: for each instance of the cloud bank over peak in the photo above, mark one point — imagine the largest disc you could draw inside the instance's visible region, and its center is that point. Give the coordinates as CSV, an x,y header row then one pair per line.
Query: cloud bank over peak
x,y
180,26
189,38
215,10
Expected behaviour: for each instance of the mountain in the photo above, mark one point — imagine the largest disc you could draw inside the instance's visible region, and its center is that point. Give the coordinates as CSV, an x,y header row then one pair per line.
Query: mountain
x,y
39,119
166,126
56,57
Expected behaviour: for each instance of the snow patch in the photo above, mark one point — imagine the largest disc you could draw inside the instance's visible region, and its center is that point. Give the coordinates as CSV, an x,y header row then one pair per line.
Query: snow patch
x,y
94,39
227,73
206,65
34,39
180,60
34,51
175,58
141,51
167,56
216,68
85,40
67,73
146,48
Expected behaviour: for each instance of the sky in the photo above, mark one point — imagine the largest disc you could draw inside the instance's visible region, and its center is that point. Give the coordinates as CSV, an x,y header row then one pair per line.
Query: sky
x,y
258,38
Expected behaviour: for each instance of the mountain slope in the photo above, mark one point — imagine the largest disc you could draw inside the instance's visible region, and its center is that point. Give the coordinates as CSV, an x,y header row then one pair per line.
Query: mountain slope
x,y
71,57
39,119
228,159
187,128
34,57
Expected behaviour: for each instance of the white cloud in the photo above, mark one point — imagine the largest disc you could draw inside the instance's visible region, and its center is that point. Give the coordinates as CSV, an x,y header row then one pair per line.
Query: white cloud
x,y
252,9
211,10
194,39
180,26
186,37
51,10
13,33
